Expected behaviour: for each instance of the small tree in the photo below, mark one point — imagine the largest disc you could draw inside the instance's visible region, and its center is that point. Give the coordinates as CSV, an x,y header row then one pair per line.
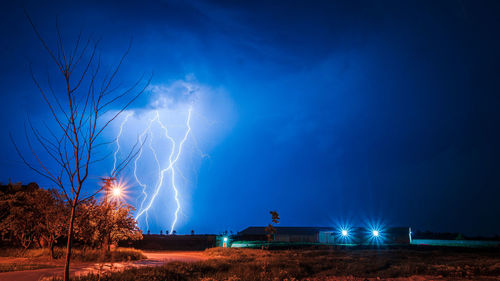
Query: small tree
x,y
22,220
270,229
124,225
53,212
31,214
100,224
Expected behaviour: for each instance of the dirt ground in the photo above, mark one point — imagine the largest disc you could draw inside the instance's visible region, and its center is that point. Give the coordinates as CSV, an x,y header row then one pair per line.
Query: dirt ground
x,y
53,268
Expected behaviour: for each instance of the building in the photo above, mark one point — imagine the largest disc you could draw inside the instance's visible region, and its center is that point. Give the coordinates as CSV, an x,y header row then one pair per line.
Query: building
x,y
284,234
328,235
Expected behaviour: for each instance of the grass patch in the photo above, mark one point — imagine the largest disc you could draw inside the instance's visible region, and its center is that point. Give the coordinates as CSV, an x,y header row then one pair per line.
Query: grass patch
x,y
78,255
6,267
251,264
116,255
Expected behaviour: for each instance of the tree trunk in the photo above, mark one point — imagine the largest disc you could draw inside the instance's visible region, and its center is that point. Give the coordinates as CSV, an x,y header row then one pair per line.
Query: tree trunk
x,y
51,248
104,247
109,242
68,245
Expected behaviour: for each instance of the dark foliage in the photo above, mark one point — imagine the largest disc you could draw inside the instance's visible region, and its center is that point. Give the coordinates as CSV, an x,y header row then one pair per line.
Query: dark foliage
x,y
33,217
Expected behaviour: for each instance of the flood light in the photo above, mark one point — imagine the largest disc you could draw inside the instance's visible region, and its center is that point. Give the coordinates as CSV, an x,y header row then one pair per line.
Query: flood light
x,y
344,233
375,233
225,239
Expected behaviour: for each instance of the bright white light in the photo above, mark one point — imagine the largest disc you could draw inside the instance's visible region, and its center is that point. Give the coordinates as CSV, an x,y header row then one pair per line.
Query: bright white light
x,y
225,239
344,232
117,192
375,233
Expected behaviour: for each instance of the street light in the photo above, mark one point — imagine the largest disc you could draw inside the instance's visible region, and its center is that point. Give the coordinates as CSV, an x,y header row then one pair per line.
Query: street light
x,y
114,190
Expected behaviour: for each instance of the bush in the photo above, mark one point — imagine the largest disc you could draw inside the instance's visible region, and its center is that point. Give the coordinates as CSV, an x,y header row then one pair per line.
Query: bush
x,y
79,255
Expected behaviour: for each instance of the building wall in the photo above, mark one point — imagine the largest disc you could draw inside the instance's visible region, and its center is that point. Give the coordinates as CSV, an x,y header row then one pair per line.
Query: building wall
x,y
312,238
326,237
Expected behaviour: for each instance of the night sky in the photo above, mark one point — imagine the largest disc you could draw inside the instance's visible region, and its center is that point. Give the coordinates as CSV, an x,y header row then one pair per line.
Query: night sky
x,y
326,111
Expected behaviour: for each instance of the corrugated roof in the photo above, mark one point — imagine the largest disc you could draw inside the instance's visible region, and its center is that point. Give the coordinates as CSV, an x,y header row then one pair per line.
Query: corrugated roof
x,y
290,230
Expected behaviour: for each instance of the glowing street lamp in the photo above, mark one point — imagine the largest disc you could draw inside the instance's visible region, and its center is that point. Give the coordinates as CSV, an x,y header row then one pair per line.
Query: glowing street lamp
x,y
344,232
114,190
375,233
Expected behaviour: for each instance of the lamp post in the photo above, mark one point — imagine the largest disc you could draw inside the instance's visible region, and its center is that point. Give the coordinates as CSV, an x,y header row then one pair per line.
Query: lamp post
x,y
113,190
108,183
109,189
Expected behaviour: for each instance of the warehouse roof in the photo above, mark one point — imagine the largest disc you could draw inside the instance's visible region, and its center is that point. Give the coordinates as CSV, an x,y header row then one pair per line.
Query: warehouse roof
x,y
301,230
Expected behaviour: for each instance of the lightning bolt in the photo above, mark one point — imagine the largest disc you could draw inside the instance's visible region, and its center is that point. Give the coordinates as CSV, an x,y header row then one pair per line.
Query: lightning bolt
x,y
139,155
172,160
172,163
117,140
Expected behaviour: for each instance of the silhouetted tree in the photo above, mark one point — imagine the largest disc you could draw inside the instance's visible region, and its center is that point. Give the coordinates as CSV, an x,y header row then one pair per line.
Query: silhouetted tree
x,y
80,105
270,229
22,219
54,212
32,214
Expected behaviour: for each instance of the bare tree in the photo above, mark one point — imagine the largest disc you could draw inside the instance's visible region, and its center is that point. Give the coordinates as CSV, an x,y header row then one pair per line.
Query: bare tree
x,y
82,104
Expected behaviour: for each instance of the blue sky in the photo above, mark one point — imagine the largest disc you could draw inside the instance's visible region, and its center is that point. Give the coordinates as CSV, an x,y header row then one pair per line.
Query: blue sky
x,y
354,110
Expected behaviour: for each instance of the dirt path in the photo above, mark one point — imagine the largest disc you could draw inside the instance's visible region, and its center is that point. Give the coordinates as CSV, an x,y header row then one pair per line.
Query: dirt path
x,y
153,259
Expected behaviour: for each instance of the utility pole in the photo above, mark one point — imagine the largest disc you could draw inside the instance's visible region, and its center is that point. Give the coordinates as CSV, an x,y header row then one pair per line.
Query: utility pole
x,y
108,182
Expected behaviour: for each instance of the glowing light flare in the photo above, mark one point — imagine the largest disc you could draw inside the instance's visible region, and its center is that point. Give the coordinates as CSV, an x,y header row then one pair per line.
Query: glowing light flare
x,y
345,233
375,232
117,191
